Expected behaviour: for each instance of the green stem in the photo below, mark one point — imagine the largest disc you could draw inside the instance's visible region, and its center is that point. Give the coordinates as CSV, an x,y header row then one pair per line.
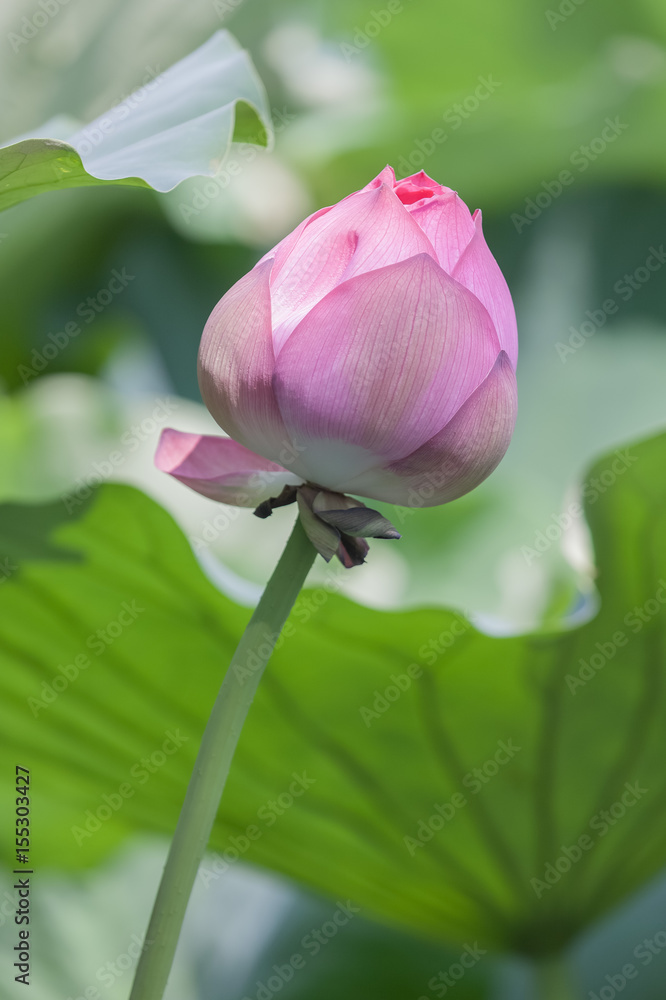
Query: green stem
x,y
213,763
554,979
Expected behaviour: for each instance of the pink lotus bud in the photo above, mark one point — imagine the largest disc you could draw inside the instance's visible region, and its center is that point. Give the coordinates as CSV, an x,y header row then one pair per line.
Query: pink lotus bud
x,y
371,352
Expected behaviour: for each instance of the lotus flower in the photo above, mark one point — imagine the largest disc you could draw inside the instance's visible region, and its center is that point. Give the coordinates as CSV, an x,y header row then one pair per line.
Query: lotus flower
x,y
371,352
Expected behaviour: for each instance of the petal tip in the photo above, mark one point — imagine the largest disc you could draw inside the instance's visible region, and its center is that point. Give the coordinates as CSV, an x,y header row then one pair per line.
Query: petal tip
x,y
173,447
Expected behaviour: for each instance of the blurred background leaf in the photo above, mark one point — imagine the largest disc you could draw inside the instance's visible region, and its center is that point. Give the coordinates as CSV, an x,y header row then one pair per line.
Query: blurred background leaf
x,y
442,779
180,124
343,101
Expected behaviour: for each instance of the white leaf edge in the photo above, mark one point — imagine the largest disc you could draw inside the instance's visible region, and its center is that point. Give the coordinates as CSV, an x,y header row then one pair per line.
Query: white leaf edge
x,y
177,126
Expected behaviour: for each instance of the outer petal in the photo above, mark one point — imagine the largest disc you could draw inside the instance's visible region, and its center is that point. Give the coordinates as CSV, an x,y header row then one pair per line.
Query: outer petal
x,y
478,270
220,468
447,222
281,250
385,176
365,231
457,459
284,247
236,364
379,366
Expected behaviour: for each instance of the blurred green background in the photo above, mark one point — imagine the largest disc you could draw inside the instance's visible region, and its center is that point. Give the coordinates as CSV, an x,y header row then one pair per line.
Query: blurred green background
x,y
494,100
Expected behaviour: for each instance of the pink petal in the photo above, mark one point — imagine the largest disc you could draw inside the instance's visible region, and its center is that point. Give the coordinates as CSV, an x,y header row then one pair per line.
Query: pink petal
x,y
390,234
385,176
379,366
478,270
236,364
364,232
408,189
313,268
281,250
220,468
416,187
447,222
460,456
